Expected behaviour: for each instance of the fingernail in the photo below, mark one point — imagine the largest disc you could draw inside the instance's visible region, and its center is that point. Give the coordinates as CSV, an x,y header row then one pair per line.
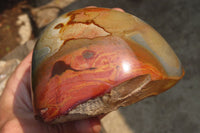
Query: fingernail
x,y
96,128
95,125
118,9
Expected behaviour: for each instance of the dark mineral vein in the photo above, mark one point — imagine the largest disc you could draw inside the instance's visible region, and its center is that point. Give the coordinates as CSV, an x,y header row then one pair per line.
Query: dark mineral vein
x,y
60,67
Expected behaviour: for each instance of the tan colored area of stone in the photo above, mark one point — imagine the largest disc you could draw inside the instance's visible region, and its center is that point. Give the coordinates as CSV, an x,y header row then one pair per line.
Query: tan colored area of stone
x,y
71,31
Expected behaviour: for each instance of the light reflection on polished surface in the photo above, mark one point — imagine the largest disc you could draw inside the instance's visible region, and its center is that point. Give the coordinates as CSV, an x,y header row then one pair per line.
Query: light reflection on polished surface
x,y
126,66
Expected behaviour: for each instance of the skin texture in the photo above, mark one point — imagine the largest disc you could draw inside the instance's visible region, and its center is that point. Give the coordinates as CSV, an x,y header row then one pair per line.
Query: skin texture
x,y
16,112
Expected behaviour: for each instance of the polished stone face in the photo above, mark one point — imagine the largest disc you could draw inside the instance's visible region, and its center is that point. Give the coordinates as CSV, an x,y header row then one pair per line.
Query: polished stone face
x,y
83,54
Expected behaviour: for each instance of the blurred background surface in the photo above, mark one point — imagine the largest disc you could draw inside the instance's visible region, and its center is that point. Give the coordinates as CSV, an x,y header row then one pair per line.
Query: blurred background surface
x,y
178,21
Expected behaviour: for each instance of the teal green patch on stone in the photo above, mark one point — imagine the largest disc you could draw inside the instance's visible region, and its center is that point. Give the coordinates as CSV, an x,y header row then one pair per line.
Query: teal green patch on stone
x,y
38,56
171,71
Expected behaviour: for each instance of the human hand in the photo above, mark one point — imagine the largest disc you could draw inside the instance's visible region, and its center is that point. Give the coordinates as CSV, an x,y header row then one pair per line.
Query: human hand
x,y
16,111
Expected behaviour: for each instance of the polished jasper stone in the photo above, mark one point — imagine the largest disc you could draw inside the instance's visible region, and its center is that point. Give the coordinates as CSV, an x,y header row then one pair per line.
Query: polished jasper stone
x,y
96,60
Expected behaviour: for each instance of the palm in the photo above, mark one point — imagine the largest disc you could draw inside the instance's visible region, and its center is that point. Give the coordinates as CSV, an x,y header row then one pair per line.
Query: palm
x,y
16,112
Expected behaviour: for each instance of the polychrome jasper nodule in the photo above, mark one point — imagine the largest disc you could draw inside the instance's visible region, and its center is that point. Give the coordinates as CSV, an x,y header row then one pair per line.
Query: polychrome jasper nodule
x,y
91,61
